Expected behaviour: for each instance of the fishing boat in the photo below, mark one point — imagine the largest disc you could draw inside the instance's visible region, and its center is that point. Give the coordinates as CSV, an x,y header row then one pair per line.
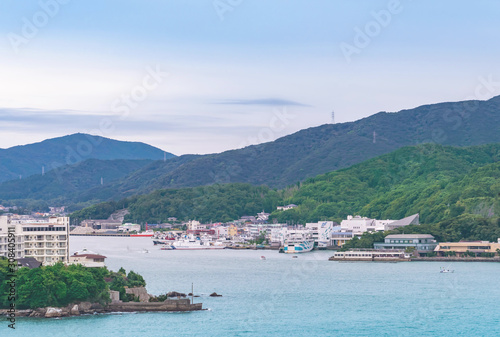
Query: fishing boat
x,y
298,244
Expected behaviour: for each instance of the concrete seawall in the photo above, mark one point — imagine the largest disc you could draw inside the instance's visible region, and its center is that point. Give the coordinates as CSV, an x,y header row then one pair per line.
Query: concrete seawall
x,y
167,305
456,259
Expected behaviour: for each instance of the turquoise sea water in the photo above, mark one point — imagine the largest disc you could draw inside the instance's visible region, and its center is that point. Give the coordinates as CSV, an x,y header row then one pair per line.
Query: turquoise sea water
x,y
282,296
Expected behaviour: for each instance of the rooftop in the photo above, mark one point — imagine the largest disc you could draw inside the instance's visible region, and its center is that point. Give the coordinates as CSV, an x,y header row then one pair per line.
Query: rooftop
x,y
409,236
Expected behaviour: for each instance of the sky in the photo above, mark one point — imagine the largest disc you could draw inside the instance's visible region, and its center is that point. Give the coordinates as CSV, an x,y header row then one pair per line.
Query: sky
x,y
205,76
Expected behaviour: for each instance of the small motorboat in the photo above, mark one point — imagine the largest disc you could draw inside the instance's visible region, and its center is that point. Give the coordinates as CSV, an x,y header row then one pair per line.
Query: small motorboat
x,y
295,257
446,270
262,257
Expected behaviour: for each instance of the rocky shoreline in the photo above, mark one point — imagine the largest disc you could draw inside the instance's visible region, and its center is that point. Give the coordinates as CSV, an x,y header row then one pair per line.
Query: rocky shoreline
x,y
175,302
87,308
84,308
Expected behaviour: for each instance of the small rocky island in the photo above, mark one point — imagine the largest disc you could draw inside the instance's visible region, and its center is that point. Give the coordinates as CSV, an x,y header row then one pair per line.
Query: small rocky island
x,y
62,291
147,303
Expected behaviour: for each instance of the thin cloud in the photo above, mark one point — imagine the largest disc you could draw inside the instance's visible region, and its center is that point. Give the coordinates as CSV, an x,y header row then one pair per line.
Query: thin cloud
x,y
262,101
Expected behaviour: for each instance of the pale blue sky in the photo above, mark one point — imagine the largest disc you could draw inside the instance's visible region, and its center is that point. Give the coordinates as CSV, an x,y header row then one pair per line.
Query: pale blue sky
x,y
233,73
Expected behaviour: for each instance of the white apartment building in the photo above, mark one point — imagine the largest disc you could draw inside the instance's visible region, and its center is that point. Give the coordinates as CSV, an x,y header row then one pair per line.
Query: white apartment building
x,y
46,240
279,235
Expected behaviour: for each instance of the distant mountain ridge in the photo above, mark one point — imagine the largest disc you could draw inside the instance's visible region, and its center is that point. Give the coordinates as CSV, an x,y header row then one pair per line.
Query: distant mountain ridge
x,y
309,152
26,160
325,148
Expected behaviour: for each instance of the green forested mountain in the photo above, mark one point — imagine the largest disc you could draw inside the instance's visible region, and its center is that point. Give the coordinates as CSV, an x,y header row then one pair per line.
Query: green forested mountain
x,y
29,159
442,183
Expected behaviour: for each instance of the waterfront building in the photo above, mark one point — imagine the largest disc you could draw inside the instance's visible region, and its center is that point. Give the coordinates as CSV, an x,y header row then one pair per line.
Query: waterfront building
x,y
339,238
420,243
87,258
359,225
254,230
280,234
463,247
322,232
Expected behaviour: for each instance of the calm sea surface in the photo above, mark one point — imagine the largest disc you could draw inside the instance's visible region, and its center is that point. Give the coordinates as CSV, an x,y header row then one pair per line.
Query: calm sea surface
x,y
282,296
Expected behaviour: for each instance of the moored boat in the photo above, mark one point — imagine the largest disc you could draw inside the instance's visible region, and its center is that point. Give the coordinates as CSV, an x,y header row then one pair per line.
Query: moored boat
x,y
194,243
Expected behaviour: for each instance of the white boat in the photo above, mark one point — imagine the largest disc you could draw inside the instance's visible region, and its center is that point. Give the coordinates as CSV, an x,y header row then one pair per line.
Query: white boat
x,y
193,243
298,244
445,270
262,257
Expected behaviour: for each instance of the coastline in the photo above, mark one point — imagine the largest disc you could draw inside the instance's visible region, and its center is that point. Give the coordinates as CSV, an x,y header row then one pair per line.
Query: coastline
x,y
87,308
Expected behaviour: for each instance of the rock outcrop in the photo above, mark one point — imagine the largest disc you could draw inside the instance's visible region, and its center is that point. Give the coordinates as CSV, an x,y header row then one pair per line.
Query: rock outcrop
x,y
140,293
75,310
53,312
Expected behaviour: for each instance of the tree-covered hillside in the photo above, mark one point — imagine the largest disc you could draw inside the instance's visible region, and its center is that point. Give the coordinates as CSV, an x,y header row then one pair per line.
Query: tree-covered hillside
x,y
436,181
215,203
441,183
